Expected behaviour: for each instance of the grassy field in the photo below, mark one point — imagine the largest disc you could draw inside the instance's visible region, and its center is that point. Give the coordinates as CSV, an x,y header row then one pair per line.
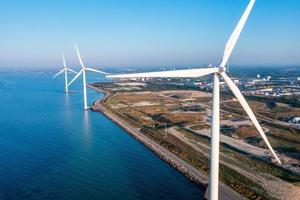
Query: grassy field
x,y
279,111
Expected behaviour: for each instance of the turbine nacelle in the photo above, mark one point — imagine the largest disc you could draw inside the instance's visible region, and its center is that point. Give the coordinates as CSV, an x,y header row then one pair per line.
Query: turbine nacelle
x,y
221,69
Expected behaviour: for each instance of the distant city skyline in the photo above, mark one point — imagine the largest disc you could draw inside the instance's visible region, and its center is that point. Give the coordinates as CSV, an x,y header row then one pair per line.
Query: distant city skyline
x,y
134,33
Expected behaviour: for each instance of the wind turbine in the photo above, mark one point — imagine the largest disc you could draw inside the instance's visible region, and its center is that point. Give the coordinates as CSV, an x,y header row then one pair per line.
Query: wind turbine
x,y
215,123
65,69
83,71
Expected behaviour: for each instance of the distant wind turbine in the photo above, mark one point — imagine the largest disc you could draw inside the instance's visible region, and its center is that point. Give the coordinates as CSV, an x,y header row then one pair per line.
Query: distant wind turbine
x,y
65,69
82,71
215,123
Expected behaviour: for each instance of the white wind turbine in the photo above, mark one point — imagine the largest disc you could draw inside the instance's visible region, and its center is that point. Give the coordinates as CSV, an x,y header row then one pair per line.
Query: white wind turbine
x,y
82,71
215,123
65,69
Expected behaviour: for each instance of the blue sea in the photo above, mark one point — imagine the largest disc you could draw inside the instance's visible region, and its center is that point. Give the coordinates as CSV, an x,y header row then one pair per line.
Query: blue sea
x,y
51,149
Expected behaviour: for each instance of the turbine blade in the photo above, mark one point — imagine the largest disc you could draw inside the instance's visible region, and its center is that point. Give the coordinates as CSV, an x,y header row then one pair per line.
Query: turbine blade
x,y
64,61
95,70
79,57
248,110
236,33
61,71
71,70
192,73
77,75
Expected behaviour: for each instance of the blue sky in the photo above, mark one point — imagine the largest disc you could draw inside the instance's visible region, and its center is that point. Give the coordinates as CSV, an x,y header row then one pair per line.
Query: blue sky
x,y
132,33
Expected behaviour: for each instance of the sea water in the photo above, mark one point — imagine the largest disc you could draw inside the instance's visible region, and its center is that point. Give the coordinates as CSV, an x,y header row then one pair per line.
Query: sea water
x,y
50,148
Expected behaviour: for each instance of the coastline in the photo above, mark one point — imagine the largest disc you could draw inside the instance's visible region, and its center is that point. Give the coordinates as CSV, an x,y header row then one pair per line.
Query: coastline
x,y
173,160
189,171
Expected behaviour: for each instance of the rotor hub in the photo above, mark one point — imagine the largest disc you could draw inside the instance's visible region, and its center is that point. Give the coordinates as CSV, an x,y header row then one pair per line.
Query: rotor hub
x,y
222,69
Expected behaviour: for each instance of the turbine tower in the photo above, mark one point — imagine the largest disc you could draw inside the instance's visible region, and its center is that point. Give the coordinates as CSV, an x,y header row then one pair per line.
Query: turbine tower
x,y
65,69
83,71
215,123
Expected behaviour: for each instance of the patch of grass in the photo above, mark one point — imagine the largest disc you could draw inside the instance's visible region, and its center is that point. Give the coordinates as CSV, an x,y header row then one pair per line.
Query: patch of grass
x,y
200,126
160,118
194,136
280,109
176,96
261,165
245,131
242,184
193,108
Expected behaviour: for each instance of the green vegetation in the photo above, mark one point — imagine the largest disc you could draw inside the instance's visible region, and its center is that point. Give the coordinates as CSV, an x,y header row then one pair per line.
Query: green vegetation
x,y
176,96
293,101
261,165
200,126
271,104
195,108
243,185
160,118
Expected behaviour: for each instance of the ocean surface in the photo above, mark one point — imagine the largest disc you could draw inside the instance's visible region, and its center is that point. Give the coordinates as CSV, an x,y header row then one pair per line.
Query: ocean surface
x,y
51,149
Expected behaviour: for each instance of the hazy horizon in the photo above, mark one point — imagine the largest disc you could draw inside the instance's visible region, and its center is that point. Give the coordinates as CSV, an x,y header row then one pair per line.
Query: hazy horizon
x,y
131,34
234,68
